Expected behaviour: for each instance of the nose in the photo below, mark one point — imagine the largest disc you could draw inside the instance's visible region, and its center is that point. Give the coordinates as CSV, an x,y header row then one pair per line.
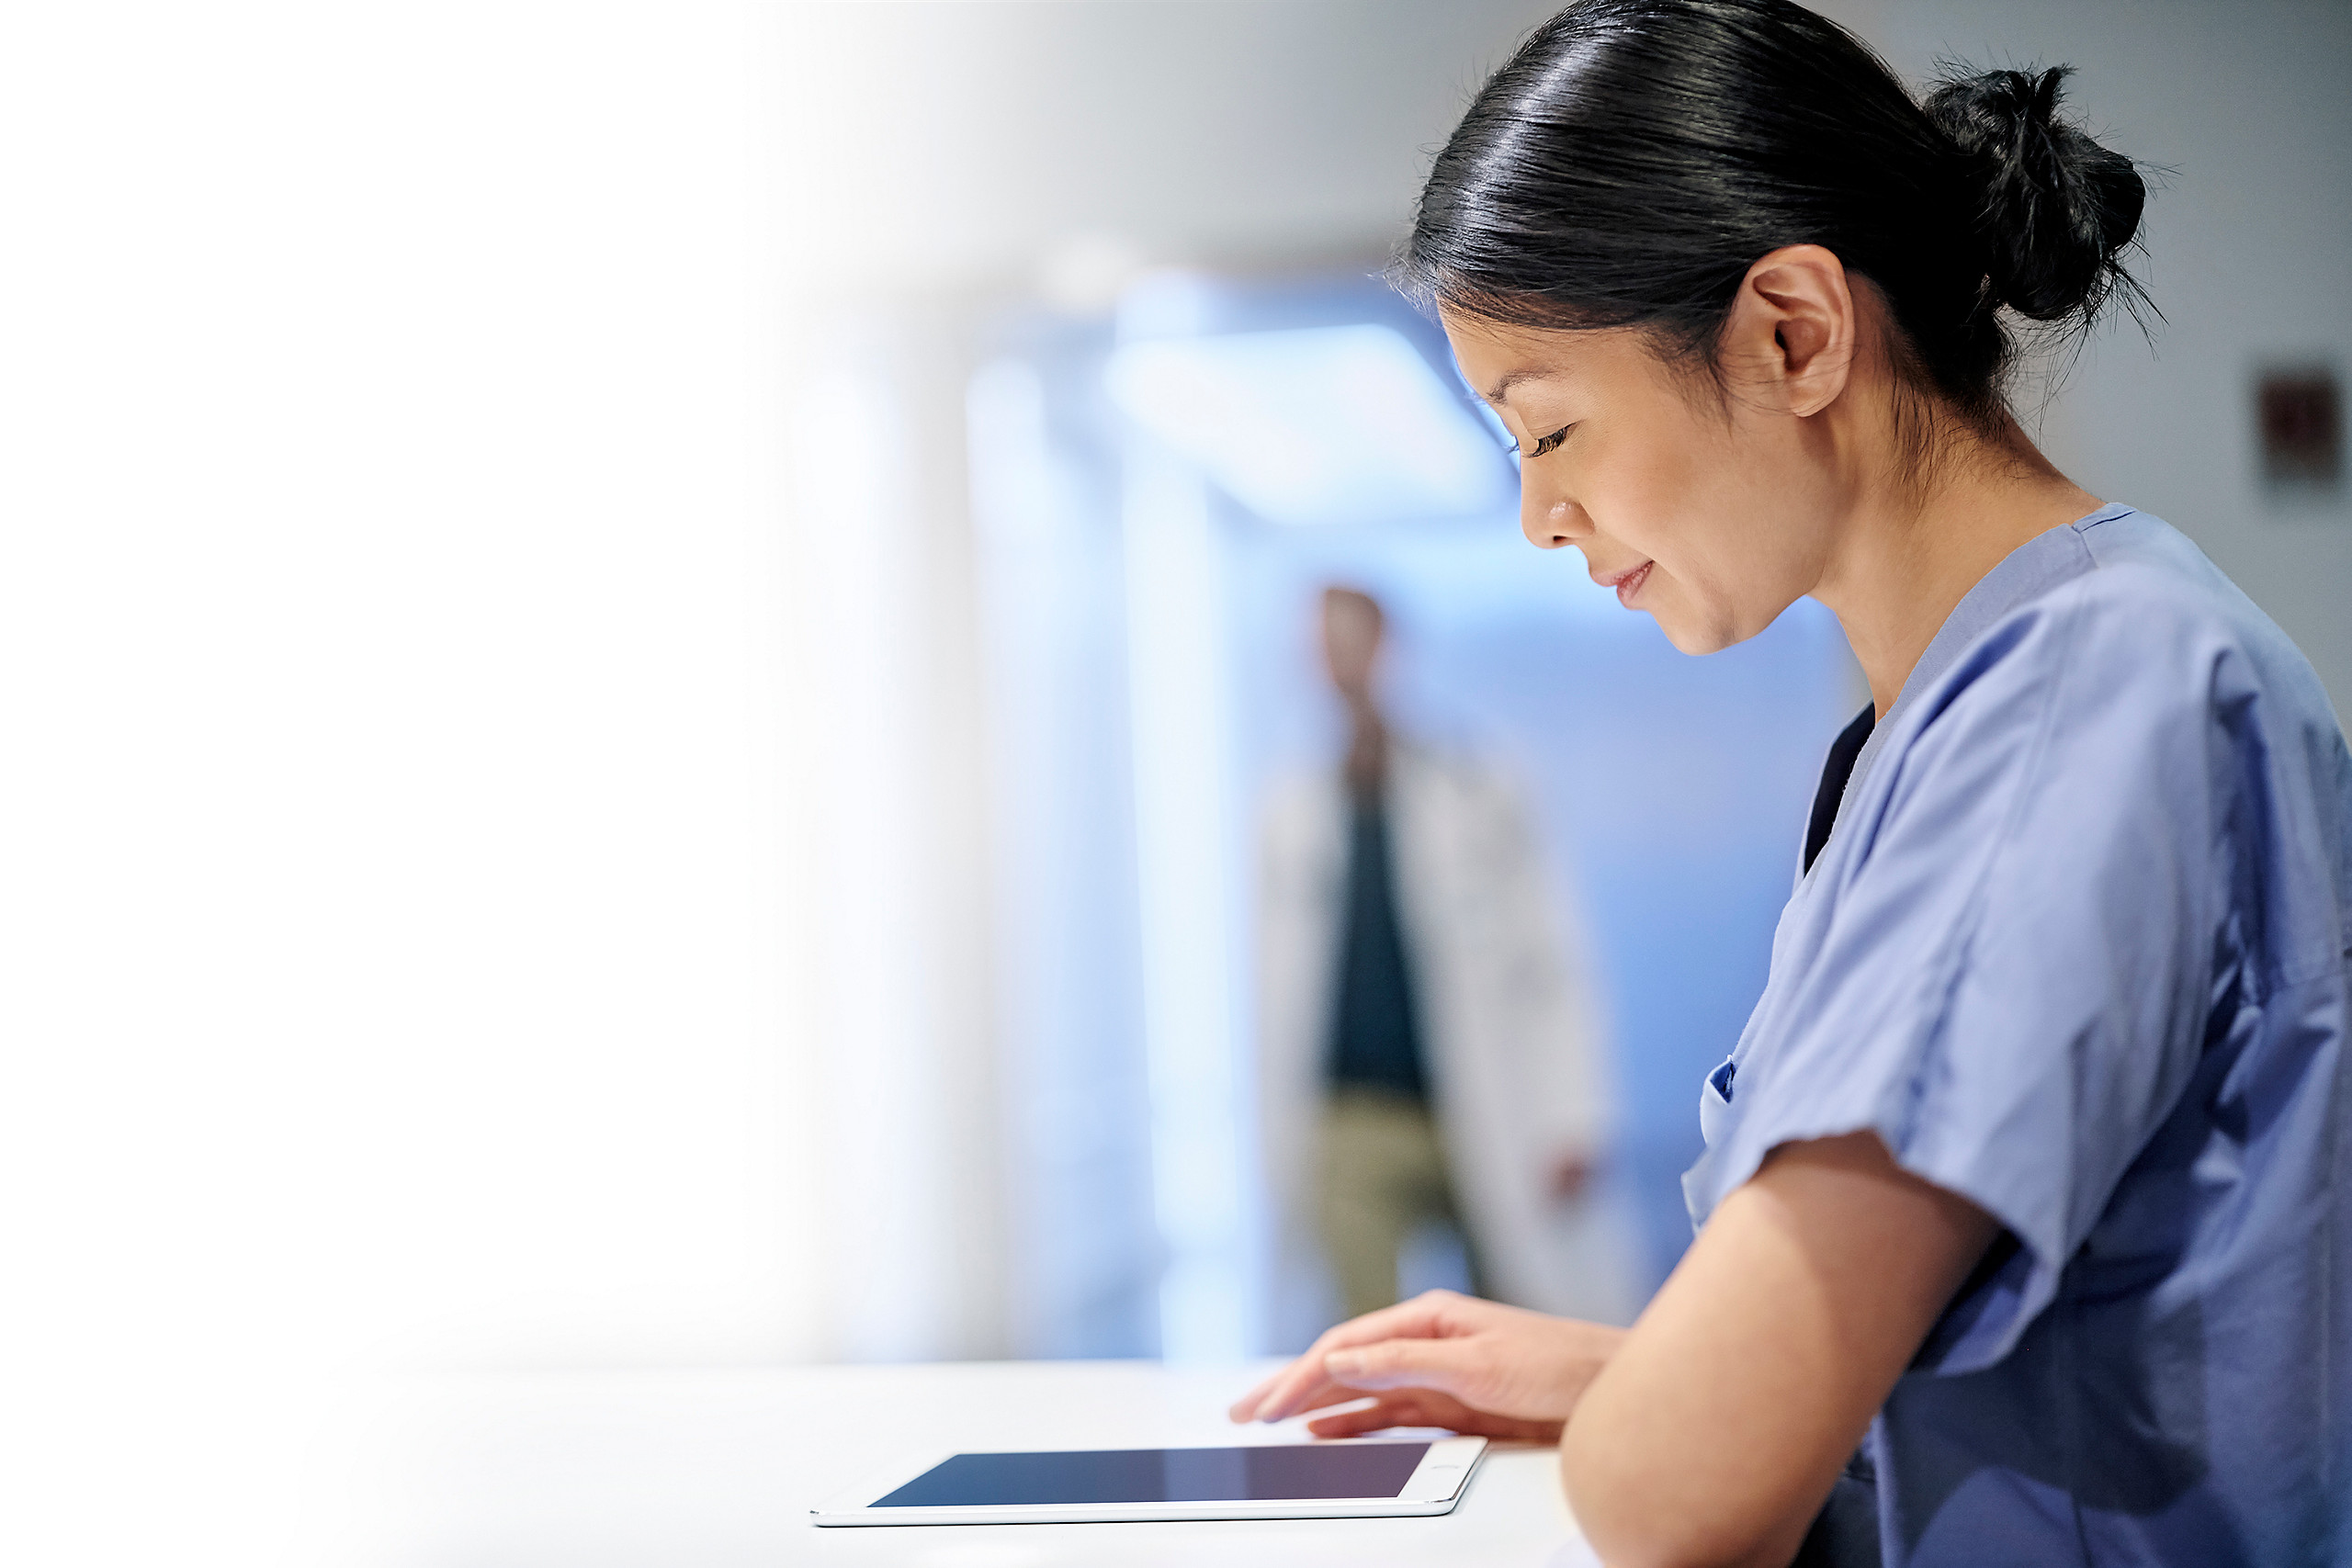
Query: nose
x,y
1551,522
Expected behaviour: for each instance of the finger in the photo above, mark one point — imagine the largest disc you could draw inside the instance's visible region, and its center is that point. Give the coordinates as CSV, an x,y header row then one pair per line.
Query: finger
x,y
1398,1410
1451,1365
1285,1384
1324,1392
1301,1385
1246,1407
1427,1313
1415,1409
1408,1406
1312,1395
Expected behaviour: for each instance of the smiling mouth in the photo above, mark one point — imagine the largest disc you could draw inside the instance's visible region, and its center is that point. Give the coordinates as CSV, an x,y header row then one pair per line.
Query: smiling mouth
x,y
1628,583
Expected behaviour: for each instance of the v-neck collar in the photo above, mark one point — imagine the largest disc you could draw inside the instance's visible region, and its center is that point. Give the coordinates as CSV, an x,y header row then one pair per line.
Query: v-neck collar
x,y
2034,569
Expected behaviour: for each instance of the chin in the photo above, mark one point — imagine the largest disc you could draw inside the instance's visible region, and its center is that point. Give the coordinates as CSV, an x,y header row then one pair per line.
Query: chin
x,y
1711,630
1696,638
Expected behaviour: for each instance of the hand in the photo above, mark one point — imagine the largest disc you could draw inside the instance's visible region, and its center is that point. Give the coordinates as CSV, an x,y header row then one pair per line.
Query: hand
x,y
1441,1360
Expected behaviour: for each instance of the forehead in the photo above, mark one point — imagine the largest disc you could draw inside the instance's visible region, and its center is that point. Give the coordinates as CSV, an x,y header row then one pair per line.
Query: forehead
x,y
1496,355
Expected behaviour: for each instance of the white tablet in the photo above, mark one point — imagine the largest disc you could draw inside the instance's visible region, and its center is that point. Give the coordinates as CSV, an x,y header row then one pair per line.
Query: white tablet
x,y
1349,1478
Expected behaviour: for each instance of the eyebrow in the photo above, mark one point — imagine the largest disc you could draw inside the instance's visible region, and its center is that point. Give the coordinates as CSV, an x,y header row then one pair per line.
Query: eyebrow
x,y
1494,394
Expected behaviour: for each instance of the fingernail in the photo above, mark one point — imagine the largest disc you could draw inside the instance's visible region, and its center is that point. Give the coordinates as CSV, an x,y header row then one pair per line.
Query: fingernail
x,y
1342,1362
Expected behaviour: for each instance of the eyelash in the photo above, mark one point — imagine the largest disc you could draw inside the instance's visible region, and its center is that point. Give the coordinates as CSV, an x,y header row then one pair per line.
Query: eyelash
x,y
1548,444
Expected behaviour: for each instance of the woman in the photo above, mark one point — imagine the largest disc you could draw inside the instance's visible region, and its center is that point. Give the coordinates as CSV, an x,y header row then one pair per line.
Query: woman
x,y
2030,1165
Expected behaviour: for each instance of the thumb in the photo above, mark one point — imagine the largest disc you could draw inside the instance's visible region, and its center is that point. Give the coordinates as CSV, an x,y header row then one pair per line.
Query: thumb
x,y
1445,1364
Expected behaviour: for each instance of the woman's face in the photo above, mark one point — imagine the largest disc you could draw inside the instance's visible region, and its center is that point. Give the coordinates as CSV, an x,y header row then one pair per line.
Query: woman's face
x,y
1714,513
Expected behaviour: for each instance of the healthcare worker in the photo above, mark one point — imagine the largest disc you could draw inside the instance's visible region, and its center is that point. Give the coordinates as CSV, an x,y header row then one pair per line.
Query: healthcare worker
x,y
2033,1165
1427,1045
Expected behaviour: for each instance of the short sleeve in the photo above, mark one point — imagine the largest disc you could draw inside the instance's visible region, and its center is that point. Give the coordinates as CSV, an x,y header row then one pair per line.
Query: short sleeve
x,y
2011,986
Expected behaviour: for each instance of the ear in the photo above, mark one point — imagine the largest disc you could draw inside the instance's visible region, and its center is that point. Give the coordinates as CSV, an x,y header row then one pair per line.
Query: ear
x,y
1791,330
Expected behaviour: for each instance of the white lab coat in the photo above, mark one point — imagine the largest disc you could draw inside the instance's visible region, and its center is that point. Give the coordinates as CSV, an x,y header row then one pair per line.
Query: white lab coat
x,y
1509,1040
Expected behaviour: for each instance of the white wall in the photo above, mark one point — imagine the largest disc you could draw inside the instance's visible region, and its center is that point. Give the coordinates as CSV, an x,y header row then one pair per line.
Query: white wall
x,y
949,144
394,938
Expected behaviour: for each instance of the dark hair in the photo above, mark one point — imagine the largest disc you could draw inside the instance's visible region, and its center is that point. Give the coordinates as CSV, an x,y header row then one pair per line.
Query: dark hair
x,y
1633,158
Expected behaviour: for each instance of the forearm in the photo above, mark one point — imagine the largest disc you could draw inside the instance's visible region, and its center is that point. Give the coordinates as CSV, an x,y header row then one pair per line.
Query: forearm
x,y
1714,1433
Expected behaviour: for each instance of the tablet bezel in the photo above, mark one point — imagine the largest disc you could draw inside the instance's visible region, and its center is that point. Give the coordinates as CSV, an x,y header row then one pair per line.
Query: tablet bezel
x,y
1434,1487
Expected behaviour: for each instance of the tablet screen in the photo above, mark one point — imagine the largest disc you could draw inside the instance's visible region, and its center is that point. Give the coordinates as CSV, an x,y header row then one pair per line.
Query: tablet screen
x,y
1277,1472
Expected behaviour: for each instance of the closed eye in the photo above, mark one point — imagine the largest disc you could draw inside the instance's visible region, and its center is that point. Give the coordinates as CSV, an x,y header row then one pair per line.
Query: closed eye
x,y
1551,442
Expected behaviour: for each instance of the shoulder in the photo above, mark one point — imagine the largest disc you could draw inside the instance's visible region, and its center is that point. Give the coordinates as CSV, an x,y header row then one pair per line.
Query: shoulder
x,y
2145,687
2150,587
2152,633
2103,681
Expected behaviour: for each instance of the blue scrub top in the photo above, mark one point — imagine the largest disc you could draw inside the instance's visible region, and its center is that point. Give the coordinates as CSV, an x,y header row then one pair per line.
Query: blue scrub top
x,y
2078,950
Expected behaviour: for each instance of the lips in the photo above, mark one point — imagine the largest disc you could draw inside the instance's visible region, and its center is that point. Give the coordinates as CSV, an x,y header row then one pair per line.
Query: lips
x,y
1627,582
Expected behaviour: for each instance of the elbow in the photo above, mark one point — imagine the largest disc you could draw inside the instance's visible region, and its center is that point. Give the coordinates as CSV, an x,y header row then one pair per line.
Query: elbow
x,y
1633,1510
1612,1506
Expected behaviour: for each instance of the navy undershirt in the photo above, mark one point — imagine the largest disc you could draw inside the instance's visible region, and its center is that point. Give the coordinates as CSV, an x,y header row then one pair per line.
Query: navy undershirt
x,y
1835,771
1375,1033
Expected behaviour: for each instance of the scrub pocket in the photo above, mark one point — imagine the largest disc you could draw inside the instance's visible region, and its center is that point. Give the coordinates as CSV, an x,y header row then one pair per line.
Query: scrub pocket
x,y
1715,1102
1715,1115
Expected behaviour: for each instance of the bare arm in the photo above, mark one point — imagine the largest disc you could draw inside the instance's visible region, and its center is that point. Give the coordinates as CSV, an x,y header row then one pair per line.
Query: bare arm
x,y
1717,1428
1710,1433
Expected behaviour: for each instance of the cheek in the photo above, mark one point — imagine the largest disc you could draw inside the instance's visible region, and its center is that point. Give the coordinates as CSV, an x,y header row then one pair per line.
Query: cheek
x,y
1671,488
1645,482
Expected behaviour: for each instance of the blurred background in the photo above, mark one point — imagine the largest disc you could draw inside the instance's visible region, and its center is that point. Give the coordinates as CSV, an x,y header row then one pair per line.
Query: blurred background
x,y
650,657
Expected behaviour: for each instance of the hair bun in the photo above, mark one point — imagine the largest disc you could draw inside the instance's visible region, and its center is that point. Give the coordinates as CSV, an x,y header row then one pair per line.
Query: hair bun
x,y
2057,209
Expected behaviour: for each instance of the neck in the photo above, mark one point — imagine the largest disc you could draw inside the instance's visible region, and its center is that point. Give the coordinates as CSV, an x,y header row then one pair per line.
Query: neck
x,y
1910,551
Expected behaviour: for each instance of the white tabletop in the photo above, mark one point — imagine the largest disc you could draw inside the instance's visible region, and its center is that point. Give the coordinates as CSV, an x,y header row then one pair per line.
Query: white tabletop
x,y
709,1470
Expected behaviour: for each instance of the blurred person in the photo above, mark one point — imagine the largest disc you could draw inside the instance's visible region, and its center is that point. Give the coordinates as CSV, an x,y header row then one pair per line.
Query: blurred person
x,y
1429,1050
2033,1164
